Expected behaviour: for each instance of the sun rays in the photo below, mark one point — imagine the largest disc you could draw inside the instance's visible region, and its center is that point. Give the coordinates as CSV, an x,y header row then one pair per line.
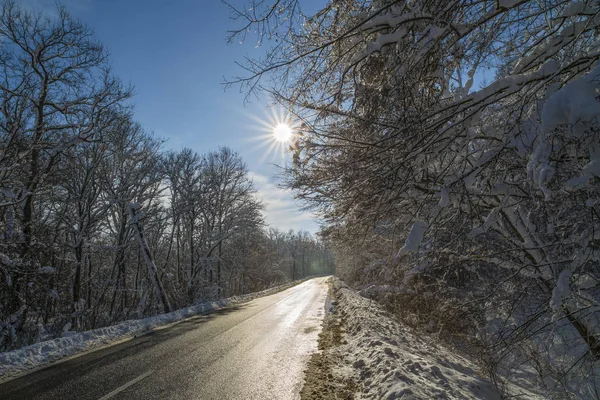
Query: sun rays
x,y
276,131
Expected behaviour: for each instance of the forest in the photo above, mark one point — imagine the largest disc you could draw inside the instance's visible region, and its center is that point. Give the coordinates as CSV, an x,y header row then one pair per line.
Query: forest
x,y
453,151
450,149
99,221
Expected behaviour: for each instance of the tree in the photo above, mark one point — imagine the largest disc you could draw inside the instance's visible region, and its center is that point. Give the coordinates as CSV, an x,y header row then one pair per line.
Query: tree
x,y
135,215
81,208
98,224
229,204
56,91
184,174
53,68
130,174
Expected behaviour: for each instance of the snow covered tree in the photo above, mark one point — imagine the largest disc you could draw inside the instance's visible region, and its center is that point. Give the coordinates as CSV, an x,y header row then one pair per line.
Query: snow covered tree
x,y
130,174
183,172
488,191
97,223
229,205
56,91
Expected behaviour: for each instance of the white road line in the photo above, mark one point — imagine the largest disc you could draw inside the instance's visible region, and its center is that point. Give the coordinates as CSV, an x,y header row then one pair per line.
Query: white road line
x,y
125,386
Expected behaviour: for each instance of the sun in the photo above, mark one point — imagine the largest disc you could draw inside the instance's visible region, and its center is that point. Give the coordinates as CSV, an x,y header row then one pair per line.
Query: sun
x,y
282,132
279,130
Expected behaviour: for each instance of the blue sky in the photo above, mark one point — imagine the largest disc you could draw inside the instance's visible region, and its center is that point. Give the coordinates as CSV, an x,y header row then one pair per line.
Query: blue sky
x,y
176,55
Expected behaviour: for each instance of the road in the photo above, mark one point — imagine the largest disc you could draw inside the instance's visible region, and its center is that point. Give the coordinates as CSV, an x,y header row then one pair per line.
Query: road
x,y
256,350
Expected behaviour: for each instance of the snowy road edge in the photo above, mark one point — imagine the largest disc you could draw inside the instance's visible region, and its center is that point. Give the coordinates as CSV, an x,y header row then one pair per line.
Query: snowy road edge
x,y
388,360
20,362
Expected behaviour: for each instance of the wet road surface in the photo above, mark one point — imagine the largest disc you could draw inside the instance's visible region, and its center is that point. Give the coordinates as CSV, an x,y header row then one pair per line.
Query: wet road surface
x,y
255,350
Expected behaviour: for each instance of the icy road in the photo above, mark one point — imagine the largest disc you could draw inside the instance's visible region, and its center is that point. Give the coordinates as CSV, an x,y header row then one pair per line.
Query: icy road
x,y
256,350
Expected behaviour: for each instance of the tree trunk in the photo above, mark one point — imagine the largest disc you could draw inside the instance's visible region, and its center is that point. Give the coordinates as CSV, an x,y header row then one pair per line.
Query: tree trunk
x,y
75,321
152,270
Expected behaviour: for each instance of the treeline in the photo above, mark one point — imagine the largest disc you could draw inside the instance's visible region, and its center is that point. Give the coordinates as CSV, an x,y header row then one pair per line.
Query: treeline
x,y
454,150
98,222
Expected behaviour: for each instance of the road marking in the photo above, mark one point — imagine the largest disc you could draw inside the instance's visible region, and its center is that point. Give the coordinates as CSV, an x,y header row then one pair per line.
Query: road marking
x,y
125,386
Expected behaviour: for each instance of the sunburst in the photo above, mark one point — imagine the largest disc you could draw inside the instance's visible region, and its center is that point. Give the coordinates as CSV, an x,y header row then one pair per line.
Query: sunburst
x,y
278,131
282,132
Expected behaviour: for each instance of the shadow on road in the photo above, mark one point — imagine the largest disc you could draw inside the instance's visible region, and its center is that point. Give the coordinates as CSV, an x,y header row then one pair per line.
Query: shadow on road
x,y
87,363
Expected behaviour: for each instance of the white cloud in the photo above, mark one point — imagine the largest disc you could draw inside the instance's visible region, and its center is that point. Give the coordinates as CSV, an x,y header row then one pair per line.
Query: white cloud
x,y
282,211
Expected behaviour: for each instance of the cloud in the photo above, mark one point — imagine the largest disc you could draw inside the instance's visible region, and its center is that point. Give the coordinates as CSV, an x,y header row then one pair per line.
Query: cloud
x,y
282,211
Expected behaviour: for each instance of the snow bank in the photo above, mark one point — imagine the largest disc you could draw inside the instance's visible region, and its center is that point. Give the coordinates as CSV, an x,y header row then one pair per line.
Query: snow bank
x,y
18,362
391,362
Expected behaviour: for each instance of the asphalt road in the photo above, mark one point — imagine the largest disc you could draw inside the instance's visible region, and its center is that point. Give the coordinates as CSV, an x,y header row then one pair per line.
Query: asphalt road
x,y
256,350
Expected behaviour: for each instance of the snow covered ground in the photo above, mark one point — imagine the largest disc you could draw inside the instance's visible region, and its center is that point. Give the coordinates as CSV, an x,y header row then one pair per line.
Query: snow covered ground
x,y
387,360
18,362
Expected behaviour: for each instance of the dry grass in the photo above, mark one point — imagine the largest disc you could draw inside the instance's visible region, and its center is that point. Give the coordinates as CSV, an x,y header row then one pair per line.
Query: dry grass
x,y
322,381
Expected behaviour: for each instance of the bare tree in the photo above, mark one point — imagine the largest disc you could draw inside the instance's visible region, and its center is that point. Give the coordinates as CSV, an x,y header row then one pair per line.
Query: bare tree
x,y
229,204
130,174
56,91
97,223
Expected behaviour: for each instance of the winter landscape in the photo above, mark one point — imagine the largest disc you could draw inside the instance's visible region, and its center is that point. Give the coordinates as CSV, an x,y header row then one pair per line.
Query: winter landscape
x,y
300,199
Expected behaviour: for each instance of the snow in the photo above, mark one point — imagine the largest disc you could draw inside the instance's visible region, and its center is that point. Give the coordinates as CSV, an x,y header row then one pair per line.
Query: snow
x,y
444,197
576,8
592,168
561,290
414,238
46,270
573,104
390,361
577,182
550,47
19,362
134,205
385,40
491,219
